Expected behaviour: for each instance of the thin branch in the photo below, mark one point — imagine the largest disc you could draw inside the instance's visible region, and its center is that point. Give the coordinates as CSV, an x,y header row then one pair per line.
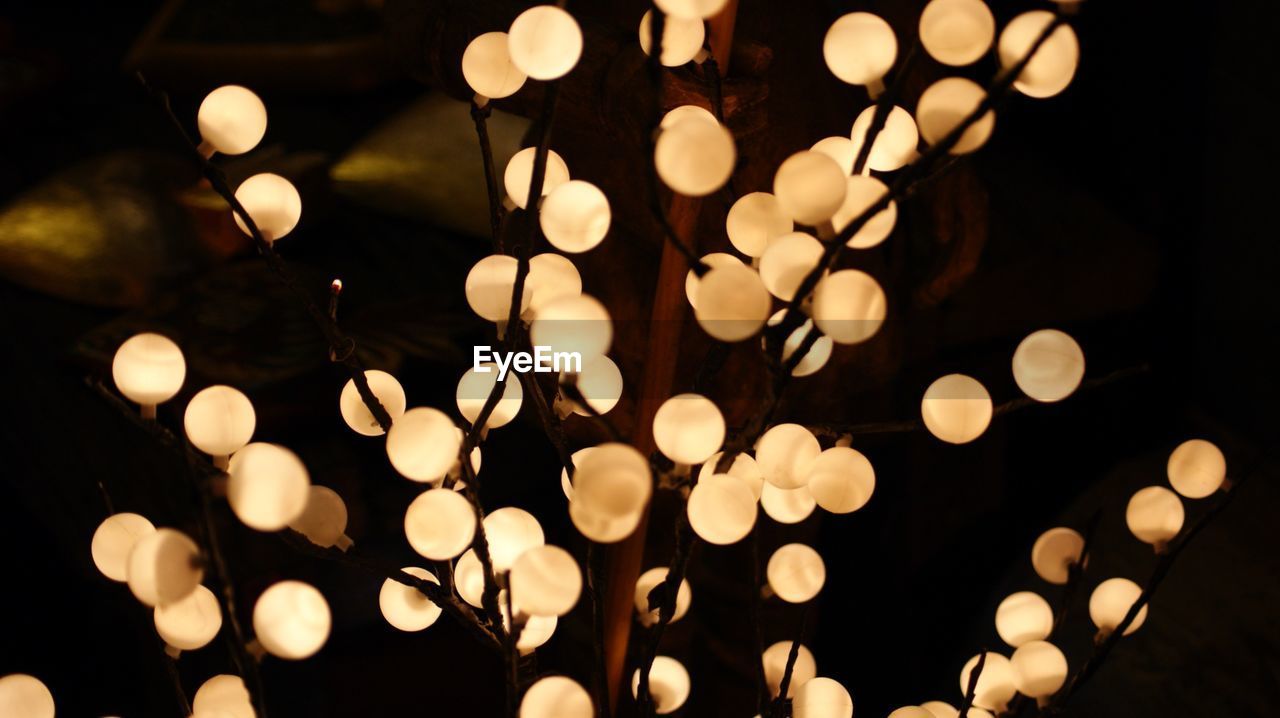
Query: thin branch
x,y
480,115
884,105
781,704
971,691
668,591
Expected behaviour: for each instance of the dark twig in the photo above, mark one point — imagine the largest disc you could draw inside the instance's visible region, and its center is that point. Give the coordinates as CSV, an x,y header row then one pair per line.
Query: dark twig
x,y
884,105
971,691
480,115
668,592
782,703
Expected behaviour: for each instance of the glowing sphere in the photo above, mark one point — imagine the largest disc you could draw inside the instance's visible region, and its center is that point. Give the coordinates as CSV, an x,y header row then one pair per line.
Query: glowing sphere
x,y
1055,552
682,39
787,261
24,696
688,428
957,32
487,67
273,204
511,532
600,383
357,415
841,480
473,392
519,175
1054,64
721,509
575,216
1039,669
775,665
1197,468
733,303
223,695
1111,602
940,709
895,145
556,697
1023,617
695,157
785,454
148,369
114,539
324,520
573,324
668,684
232,120
809,187
164,567
822,698
796,573
219,420
566,482
489,287
648,581
404,607
995,683
713,260
268,487
684,112
701,9
469,578
291,620
861,193
754,220
945,104
440,524
1048,365
849,306
611,489
190,623
956,408
818,354
423,443
551,276
545,581
911,712
1155,515
787,506
860,48
545,42
743,468
840,149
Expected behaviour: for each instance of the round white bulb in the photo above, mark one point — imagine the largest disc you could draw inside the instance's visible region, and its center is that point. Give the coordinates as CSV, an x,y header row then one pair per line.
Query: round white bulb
x,y
1023,617
1197,468
956,408
941,709
695,157
148,369
1111,602
785,454
223,696
291,620
24,696
219,420
1155,515
545,581
519,174
488,69
611,489
688,428
841,480
440,524
796,573
357,415
754,220
469,578
578,324
545,42
324,520
810,187
556,697
860,195
860,48
995,684
269,486
840,149
190,623
822,698
114,539
957,32
849,306
272,202
818,354
787,506
575,216
669,684
600,383
775,665
232,120
1039,669
682,38
733,303
700,9
474,389
551,276
164,567
405,607
911,712
510,532
423,444
490,284
896,143
713,260
684,112
1054,64
1055,552
648,581
787,261
721,509
945,104
1048,365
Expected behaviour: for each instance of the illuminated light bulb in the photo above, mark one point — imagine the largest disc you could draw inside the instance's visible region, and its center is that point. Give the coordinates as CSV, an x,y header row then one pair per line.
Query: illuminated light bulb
x,y
911,712
685,112
357,415
995,684
148,369
1023,617
575,216
488,69
754,220
796,573
860,48
957,32
688,428
945,104
1039,669
440,524
423,443
1054,64
611,489
1155,515
232,120
114,539
694,157
818,354
324,520
861,193
273,204
956,408
24,696
669,684
810,187
566,483
840,149
545,42
849,306
291,620
190,623
787,261
822,698
537,630
573,324
551,276
700,9
713,260
489,287
941,709
895,145
841,480
733,303
405,607
223,695
268,487
787,506
474,389
1111,602
648,581
785,453
1197,468
775,660
721,510
743,468
519,174
469,578
1055,552
164,567
682,38
600,383
545,581
511,532
556,697
1048,365
219,421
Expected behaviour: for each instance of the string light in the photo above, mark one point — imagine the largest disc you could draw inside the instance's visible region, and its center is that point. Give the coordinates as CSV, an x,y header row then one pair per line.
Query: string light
x,y
511,532
1154,515
754,220
849,306
556,697
682,39
688,428
1111,602
575,324
648,581
405,607
1024,617
841,480
796,573
24,696
1055,552
423,444
714,260
439,524
1053,65
956,408
221,695
545,42
575,216
1048,365
148,369
787,261
694,157
272,202
611,489
474,389
822,698
1197,469
721,509
545,581
809,187
324,519
775,660
785,454
114,540
232,120
733,303
860,48
488,69
189,623
269,486
518,176
995,686
894,147
787,506
164,567
957,32
944,105
385,389
1039,669
669,684
291,620
219,421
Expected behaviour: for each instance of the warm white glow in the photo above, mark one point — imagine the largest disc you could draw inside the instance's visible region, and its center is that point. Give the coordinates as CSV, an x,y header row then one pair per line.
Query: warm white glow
x,y
721,509
840,149
701,9
688,428
190,623
810,187
545,581
219,420
743,468
1197,468
268,487
957,32
510,532
24,696
575,216
473,392
324,520
545,42
164,567
273,204
423,444
223,695
796,573
896,143
440,524
785,454
733,303
1048,365
1054,64
956,408
787,261
860,194
551,276
822,698
148,369
860,48
600,383
775,664
911,712
566,482
787,506
1055,552
945,104
611,489
291,620
841,480
556,697
940,709
405,607
648,581
682,38
755,219
695,157
1111,602
849,306
573,324
113,541
713,260
1155,515
818,354
684,112
489,287
669,684
357,415
469,578
1039,669
232,120
995,683
487,67
519,174
1023,617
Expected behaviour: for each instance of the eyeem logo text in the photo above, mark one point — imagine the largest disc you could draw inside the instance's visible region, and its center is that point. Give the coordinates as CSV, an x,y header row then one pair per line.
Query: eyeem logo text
x,y
542,360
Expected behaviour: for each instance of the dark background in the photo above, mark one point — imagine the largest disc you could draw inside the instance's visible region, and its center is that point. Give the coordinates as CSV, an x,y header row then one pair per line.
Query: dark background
x,y
1133,211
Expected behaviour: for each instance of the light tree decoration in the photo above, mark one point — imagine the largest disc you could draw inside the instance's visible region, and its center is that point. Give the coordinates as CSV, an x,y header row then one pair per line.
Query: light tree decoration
x,y
491,569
